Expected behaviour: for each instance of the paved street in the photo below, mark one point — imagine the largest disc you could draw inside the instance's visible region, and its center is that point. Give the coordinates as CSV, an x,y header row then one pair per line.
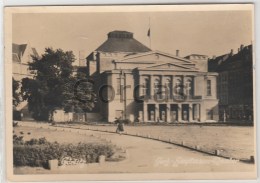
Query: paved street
x,y
146,155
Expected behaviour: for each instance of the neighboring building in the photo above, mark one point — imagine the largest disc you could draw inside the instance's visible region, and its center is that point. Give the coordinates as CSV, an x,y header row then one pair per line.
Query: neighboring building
x,y
21,56
121,64
81,67
235,84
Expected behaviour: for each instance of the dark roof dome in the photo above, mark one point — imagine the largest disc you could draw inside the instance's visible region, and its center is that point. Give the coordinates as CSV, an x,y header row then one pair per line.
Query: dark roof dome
x,y
122,41
120,34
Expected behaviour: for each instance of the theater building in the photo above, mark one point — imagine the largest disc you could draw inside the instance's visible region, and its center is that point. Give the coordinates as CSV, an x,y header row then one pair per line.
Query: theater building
x,y
135,82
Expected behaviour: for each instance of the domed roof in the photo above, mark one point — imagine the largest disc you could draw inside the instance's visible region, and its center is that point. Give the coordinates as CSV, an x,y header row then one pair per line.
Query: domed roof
x,y
122,41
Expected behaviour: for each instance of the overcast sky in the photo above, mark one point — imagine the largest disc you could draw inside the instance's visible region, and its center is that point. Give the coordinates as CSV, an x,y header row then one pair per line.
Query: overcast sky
x,y
207,32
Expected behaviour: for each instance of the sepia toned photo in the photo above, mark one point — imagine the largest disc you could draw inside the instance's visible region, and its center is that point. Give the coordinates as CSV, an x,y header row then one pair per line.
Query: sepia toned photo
x,y
140,92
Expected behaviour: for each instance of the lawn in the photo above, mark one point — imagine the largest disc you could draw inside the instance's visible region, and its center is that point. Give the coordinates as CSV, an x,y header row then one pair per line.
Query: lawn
x,y
232,141
52,136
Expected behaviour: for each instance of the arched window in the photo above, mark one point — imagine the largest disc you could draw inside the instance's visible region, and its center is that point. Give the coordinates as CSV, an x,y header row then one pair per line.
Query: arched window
x,y
178,87
168,87
156,86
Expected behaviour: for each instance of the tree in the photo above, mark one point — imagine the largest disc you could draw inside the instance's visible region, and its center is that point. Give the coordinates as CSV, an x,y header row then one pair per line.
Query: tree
x,y
16,95
83,98
51,86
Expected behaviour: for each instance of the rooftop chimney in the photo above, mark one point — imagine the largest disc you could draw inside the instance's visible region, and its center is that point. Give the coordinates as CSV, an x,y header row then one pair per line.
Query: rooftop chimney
x,y
231,52
241,47
177,52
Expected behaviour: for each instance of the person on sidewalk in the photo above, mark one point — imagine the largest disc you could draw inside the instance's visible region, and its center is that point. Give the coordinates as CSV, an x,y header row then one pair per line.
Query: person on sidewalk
x,y
120,126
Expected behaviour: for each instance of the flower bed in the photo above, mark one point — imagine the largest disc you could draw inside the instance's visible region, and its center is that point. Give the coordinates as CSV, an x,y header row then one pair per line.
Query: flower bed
x,y
37,152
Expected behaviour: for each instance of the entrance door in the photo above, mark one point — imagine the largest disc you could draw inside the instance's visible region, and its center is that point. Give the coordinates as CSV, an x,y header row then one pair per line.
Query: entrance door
x,y
152,116
185,112
140,116
162,112
173,116
174,112
163,116
151,112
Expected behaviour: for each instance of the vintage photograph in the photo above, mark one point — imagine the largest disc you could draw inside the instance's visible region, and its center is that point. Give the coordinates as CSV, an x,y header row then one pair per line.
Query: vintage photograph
x,y
130,92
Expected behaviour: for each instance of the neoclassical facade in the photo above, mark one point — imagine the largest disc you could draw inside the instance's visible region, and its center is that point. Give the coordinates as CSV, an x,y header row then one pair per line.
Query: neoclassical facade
x,y
136,83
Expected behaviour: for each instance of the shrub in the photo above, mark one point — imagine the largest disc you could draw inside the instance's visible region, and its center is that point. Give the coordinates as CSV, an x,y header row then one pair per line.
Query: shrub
x,y
37,152
17,140
34,155
17,115
126,121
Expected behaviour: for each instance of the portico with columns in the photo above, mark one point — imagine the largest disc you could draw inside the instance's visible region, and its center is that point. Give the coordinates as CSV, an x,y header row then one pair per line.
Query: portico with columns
x,y
175,101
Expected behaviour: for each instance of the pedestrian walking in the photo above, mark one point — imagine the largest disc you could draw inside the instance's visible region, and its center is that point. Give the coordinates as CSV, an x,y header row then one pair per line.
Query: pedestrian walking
x,y
120,126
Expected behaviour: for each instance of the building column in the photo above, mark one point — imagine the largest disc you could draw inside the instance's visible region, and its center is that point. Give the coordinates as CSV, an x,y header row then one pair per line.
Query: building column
x,y
190,113
140,85
202,112
179,113
168,111
157,114
145,113
151,87
173,88
196,111
162,88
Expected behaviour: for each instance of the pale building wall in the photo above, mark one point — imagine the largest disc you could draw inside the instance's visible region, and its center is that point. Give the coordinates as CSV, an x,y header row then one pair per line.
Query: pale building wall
x,y
199,85
202,65
61,116
21,71
213,80
209,105
92,67
94,117
117,103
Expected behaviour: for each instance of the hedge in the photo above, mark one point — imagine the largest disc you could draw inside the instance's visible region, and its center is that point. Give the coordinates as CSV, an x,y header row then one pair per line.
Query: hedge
x,y
36,153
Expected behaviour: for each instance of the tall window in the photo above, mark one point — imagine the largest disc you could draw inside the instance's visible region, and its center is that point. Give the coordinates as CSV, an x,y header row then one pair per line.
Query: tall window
x,y
146,87
188,87
156,87
208,87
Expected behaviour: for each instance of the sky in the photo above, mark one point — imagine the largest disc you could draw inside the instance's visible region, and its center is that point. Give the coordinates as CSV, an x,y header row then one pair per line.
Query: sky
x,y
192,32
